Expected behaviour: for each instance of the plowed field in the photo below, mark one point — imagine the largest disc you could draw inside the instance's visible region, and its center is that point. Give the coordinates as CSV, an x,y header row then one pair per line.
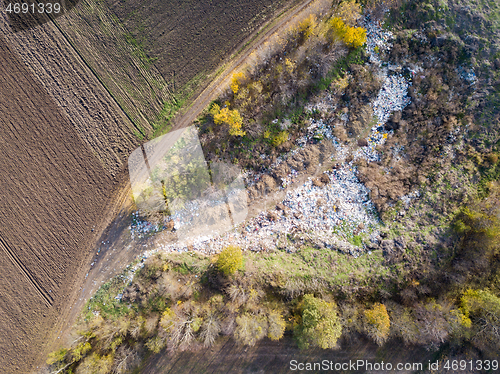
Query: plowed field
x,y
53,191
191,37
98,120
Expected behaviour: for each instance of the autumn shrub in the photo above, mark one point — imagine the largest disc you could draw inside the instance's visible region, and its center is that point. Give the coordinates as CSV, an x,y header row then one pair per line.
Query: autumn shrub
x,y
81,350
236,81
211,325
349,11
229,260
353,37
167,319
281,138
232,118
433,324
319,324
250,328
276,325
180,325
470,221
57,356
483,308
307,26
155,344
403,323
377,323
478,229
95,364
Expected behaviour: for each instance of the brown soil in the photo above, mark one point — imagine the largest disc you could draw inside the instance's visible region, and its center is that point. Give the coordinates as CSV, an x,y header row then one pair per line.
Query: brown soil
x,y
93,128
106,46
53,193
99,122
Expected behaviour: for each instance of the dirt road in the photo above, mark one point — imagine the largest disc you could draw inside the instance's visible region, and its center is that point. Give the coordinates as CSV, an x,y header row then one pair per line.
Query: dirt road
x,y
268,356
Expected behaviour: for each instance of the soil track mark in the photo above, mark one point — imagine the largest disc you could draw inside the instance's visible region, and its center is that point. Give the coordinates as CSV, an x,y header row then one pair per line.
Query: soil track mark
x,y
118,62
22,269
94,73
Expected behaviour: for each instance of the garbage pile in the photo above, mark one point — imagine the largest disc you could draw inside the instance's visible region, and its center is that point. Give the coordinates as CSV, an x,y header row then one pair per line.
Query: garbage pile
x,y
141,228
377,40
406,199
391,98
330,213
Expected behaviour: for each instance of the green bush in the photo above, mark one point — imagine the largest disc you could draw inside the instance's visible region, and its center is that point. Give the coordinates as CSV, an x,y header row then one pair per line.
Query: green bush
x,y
230,260
320,325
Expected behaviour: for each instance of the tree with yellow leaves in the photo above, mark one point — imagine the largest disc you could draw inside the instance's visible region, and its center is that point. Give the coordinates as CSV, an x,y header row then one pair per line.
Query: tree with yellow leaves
x,y
355,37
377,323
236,81
230,117
352,36
276,325
307,26
289,65
338,27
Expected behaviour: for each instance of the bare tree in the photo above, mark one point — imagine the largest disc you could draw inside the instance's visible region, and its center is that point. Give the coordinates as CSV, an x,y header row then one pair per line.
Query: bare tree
x,y
126,358
210,329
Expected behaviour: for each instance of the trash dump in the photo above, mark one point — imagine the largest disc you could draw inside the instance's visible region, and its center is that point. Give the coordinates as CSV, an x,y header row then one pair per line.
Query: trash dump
x,y
391,98
329,214
141,228
377,40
